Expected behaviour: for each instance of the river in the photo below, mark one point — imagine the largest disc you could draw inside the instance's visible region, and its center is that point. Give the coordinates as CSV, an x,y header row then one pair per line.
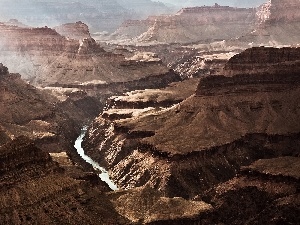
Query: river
x,y
104,176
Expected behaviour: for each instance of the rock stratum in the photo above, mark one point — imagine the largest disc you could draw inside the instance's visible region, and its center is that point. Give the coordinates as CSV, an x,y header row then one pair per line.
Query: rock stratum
x,y
276,19
46,58
206,23
187,148
267,24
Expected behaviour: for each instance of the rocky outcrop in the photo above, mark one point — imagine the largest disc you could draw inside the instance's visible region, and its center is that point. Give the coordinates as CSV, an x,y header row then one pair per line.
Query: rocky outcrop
x,y
77,31
101,15
131,29
189,147
3,70
147,206
52,122
14,38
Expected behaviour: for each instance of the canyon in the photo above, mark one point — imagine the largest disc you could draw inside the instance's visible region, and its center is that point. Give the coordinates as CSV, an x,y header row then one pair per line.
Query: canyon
x,y
190,143
183,118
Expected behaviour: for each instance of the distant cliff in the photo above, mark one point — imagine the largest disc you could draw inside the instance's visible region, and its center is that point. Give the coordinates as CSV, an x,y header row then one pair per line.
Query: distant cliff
x,y
207,23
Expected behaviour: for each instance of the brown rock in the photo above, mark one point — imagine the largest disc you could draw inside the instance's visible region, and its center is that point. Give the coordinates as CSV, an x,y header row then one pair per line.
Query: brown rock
x,y
204,140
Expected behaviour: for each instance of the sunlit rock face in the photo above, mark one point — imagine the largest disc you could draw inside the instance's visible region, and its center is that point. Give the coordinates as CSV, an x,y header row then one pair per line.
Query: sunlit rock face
x,y
275,11
277,24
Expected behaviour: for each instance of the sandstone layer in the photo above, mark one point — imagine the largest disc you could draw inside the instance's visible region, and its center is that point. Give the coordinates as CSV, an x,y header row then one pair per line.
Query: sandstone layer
x,y
204,140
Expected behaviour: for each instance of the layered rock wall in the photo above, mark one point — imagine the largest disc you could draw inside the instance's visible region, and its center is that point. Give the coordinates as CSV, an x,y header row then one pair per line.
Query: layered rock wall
x,y
263,60
187,148
275,11
195,24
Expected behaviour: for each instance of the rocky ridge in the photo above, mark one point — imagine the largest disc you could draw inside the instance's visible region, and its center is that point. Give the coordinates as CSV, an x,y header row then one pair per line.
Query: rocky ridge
x,y
37,114
102,15
77,31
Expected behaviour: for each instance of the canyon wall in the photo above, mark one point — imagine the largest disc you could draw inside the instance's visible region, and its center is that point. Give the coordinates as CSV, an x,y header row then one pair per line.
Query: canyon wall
x,y
275,11
77,31
189,147
207,23
267,24
44,57
277,24
263,60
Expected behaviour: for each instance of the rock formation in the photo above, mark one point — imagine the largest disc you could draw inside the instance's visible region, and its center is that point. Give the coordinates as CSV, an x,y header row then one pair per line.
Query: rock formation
x,y
50,121
205,23
266,192
275,19
77,31
185,149
267,24
46,58
261,60
275,11
34,189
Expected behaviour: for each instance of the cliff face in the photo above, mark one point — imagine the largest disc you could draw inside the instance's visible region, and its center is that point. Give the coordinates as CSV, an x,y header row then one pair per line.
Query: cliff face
x,y
277,25
34,113
14,38
197,24
204,140
265,61
77,31
264,192
275,11
267,24
45,58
